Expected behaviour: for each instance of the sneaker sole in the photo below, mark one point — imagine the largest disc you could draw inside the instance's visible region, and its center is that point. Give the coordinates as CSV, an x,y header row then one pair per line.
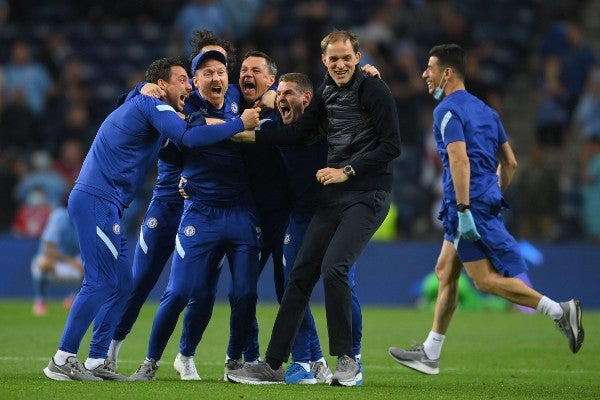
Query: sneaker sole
x,y
188,378
312,381
357,381
56,376
417,366
252,382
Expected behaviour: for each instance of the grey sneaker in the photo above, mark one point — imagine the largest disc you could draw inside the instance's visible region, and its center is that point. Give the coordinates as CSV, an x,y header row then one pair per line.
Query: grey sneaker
x,y
321,371
259,373
570,324
347,372
107,373
416,359
145,372
111,363
232,365
72,370
186,368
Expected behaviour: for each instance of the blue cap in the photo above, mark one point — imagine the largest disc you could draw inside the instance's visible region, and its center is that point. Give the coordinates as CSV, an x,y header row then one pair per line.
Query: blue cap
x,y
205,55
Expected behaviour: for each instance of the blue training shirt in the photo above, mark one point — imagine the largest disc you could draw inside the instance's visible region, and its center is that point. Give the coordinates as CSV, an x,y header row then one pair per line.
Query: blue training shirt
x,y
128,142
216,174
463,117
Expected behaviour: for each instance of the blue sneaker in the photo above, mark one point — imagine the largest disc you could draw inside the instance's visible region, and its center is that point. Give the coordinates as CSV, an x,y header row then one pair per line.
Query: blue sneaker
x,y
360,370
297,374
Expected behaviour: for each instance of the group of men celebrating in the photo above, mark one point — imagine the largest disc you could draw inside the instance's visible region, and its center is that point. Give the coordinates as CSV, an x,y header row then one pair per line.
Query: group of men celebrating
x,y
322,181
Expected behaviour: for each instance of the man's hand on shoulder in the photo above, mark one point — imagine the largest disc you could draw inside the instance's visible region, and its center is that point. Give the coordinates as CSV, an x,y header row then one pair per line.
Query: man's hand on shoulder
x,y
244,137
153,90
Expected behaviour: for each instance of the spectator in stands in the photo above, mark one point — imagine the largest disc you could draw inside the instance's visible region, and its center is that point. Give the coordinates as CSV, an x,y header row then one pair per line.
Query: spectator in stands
x,y
208,14
587,115
69,160
590,192
19,126
539,197
13,165
551,117
23,73
57,260
42,176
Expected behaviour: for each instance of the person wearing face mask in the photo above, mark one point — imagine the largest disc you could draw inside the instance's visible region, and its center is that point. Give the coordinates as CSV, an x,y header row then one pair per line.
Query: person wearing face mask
x,y
478,166
363,136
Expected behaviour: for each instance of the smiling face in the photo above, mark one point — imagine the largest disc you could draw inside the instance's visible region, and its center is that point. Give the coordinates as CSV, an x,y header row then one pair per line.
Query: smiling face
x,y
177,88
432,74
211,80
341,60
255,78
291,101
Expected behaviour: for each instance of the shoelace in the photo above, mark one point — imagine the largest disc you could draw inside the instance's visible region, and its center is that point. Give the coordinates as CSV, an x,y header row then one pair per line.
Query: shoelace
x,y
344,364
76,365
189,368
146,368
296,367
416,348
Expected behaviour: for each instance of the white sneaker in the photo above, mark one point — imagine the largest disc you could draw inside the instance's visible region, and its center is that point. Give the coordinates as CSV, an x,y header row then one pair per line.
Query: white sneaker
x,y
186,368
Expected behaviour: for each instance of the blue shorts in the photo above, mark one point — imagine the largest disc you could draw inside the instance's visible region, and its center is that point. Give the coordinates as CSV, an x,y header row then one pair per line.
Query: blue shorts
x,y
496,243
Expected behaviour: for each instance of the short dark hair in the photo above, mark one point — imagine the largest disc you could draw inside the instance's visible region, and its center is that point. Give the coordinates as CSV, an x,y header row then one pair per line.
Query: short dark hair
x,y
270,63
161,69
451,56
302,80
203,37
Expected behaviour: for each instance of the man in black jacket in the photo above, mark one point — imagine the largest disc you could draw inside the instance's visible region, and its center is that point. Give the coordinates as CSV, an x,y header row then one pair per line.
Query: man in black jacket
x,y
363,135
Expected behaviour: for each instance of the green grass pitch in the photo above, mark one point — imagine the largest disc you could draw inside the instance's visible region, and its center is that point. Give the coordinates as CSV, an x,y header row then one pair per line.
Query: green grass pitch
x,y
487,355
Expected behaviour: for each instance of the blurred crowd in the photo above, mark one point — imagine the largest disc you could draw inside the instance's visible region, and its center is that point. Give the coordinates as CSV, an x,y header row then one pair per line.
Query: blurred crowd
x,y
63,65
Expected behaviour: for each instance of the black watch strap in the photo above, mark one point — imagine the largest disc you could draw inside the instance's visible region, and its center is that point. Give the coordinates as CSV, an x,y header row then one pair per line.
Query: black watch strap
x,y
463,207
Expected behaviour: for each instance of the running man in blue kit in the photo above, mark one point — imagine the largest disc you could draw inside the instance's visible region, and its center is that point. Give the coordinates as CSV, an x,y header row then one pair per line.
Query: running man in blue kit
x,y
478,166
125,147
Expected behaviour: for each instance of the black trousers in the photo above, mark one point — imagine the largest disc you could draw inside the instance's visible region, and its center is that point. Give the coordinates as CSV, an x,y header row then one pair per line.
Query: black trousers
x,y
338,233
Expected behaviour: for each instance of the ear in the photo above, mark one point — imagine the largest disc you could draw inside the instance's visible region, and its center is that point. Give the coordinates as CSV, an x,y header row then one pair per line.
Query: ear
x,y
324,59
162,84
358,56
306,98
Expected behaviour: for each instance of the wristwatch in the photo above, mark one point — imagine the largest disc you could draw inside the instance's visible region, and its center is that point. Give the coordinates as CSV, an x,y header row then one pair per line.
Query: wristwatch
x,y
349,171
463,207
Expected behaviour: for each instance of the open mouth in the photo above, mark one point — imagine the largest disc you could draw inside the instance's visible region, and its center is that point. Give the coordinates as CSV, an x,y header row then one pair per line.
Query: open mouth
x,y
217,90
285,111
249,86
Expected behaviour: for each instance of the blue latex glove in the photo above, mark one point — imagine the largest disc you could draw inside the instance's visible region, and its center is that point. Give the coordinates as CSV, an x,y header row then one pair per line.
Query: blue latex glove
x,y
466,226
